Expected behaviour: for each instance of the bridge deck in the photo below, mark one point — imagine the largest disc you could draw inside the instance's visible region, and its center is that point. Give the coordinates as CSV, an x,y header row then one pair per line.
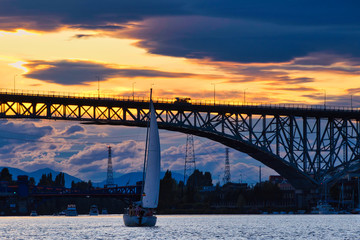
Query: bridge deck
x,y
171,104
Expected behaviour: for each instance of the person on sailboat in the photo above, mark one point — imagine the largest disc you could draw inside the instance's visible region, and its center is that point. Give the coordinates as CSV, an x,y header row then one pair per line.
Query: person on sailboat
x,y
131,211
137,210
149,212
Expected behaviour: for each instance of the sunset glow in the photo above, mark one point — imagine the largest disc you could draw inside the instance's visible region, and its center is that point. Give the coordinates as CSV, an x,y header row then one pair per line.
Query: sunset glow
x,y
231,51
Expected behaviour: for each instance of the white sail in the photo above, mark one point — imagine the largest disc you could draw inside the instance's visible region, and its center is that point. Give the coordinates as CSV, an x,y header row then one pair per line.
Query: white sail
x,y
150,196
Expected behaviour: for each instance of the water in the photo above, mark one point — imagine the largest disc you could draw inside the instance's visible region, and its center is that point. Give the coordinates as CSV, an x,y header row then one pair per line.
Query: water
x,y
184,227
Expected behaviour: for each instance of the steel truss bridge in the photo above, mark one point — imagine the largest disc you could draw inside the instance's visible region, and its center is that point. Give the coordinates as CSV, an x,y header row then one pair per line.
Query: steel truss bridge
x,y
123,192
311,146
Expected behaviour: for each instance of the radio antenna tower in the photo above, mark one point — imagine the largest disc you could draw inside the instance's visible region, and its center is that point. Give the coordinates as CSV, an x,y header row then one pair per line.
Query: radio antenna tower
x,y
227,176
190,165
110,177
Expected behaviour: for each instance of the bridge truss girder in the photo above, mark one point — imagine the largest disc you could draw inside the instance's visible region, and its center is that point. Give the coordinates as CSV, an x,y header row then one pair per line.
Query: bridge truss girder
x,y
308,147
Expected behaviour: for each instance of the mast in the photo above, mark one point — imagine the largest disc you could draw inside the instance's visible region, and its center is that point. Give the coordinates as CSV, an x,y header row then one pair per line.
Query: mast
x,y
150,194
260,175
146,145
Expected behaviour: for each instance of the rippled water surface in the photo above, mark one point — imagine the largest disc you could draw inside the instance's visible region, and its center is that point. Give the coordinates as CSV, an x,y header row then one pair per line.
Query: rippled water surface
x,y
185,227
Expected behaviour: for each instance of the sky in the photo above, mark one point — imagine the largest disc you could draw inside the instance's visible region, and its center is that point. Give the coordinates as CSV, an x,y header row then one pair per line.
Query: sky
x,y
301,52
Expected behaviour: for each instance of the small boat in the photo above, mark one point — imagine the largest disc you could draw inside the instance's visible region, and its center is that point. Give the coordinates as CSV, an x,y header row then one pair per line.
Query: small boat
x,y
323,208
93,210
71,210
33,213
142,213
104,211
355,211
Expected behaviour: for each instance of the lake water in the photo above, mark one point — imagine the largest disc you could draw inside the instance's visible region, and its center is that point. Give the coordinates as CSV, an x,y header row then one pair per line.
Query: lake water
x,y
185,227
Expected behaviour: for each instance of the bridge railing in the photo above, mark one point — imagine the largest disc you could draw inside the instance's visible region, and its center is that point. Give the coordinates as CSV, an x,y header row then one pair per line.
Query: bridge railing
x,y
198,102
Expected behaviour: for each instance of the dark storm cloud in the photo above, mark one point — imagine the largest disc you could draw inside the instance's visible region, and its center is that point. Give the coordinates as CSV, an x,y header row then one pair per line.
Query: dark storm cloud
x,y
47,15
84,36
326,59
346,100
299,80
272,74
295,89
241,31
98,27
353,90
241,41
82,72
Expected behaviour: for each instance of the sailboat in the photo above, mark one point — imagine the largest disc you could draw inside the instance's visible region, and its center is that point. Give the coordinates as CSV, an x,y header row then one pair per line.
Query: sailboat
x,y
141,214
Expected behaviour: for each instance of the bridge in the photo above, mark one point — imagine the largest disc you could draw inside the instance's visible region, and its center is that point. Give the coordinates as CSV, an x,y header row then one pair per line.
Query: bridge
x,y
123,192
311,146
24,190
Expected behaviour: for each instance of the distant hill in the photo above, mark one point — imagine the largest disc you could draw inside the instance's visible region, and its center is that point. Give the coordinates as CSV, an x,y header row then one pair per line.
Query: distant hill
x,y
132,178
126,179
15,172
38,173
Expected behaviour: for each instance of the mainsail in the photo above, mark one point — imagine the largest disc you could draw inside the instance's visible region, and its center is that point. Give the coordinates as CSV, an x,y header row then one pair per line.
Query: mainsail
x,y
150,196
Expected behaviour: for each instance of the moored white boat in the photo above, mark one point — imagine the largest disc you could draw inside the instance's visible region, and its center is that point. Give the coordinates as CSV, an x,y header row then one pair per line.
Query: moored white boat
x,y
323,208
93,210
33,213
104,211
71,210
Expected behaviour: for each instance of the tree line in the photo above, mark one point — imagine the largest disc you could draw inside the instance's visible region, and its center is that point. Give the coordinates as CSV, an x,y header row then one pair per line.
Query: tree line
x,y
196,197
47,180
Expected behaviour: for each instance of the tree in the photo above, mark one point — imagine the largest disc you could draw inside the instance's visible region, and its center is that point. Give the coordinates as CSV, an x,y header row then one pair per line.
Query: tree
x,y
168,191
43,180
60,180
199,180
266,192
81,186
32,181
5,175
46,180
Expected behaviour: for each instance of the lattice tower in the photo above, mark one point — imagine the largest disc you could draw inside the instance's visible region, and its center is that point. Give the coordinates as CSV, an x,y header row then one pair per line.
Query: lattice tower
x,y
227,176
110,177
190,165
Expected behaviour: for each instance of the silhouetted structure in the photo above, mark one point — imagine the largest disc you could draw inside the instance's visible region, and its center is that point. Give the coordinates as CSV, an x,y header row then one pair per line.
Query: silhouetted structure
x,y
190,164
227,176
110,177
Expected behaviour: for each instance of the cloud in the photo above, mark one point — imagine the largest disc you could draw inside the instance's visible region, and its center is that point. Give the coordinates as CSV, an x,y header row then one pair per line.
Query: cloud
x,y
45,15
353,90
13,129
71,72
232,30
89,154
84,36
98,27
296,89
45,145
326,59
239,40
346,101
91,168
73,130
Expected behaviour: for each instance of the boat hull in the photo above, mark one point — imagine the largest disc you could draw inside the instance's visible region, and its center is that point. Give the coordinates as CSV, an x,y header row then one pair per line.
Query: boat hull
x,y
136,221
